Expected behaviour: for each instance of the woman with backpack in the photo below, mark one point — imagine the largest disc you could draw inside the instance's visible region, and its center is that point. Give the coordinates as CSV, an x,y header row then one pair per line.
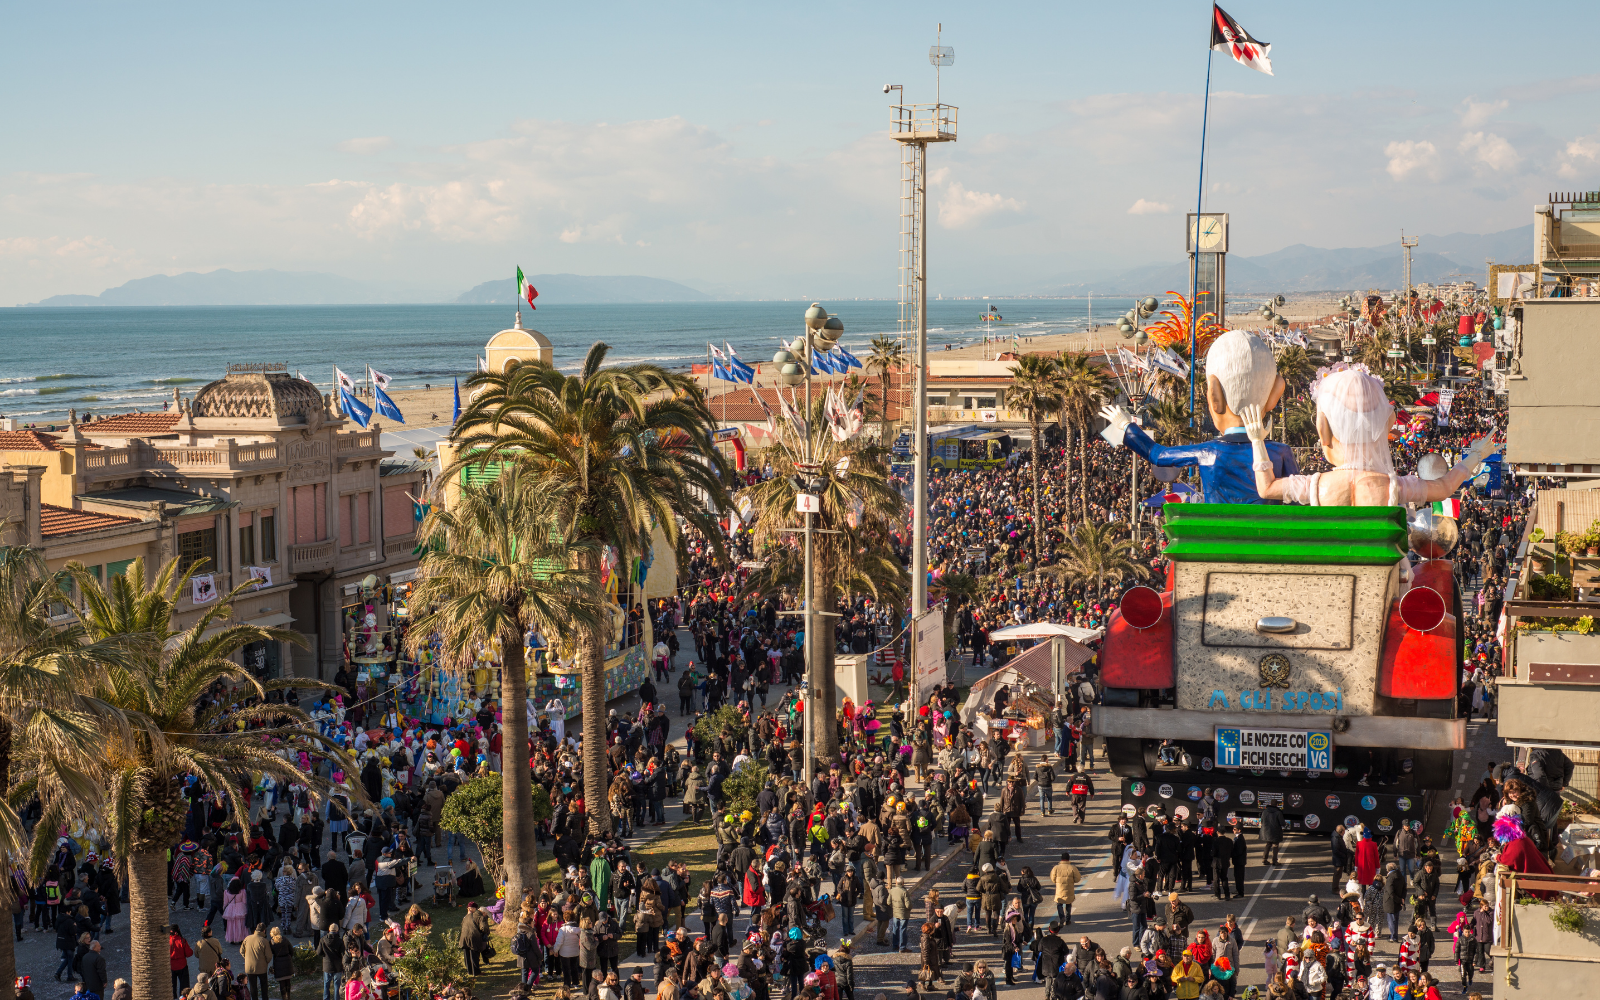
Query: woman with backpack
x,y
525,946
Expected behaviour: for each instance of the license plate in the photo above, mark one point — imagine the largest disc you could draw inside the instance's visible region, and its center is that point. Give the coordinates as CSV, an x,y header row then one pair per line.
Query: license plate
x,y
1274,749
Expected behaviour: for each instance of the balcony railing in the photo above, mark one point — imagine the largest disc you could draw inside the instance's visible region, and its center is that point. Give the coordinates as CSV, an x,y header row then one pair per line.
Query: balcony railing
x,y
924,122
138,456
357,441
312,557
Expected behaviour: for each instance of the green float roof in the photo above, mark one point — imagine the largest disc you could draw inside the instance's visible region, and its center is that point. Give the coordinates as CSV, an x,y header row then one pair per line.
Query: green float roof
x,y
1285,533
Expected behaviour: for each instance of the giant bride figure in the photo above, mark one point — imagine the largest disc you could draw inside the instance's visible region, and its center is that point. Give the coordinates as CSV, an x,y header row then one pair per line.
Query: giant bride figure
x,y
1353,421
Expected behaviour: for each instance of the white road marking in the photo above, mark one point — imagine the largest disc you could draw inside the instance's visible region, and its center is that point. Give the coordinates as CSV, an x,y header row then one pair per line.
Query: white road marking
x,y
1249,929
1261,887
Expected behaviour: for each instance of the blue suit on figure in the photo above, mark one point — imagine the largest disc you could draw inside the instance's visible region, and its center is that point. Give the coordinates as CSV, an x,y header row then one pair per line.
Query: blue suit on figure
x,y
1224,461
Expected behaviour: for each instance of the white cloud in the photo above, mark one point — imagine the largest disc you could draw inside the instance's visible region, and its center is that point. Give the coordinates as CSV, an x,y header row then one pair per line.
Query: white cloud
x,y
1584,148
1490,150
1410,156
1145,207
367,145
960,208
1475,113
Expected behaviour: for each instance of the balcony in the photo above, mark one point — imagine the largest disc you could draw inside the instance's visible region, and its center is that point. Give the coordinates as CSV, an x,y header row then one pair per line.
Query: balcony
x,y
225,459
312,557
987,415
1534,957
356,441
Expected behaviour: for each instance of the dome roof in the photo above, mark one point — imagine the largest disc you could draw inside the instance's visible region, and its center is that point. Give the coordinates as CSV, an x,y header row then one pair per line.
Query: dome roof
x,y
257,394
518,336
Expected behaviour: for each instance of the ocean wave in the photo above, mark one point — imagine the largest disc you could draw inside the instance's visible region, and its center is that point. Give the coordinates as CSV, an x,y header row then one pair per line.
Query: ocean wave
x,y
56,390
172,381
19,392
57,378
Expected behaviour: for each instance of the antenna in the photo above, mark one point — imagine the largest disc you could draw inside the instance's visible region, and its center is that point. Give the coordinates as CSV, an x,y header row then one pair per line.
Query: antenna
x,y
940,55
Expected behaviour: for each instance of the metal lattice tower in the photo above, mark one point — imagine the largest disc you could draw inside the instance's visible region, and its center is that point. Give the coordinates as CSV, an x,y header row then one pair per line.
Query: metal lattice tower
x,y
1405,302
913,178
914,126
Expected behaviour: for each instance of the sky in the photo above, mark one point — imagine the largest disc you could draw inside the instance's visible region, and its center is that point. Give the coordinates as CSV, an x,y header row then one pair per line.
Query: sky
x,y
743,149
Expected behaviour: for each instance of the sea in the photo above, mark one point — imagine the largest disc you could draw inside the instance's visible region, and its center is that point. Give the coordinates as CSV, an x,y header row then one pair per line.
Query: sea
x,y
106,360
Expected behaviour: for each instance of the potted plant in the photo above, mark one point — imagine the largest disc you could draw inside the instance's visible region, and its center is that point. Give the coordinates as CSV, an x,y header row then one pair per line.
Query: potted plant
x,y
1569,543
1591,540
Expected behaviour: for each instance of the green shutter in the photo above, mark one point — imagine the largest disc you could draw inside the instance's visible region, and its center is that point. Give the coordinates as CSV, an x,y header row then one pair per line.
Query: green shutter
x,y
118,568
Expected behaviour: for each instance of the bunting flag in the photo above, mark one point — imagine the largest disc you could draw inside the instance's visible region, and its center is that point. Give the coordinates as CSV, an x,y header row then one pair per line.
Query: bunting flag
x,y
858,412
850,360
354,408
822,363
386,405
833,413
772,422
456,413
792,414
741,371
1229,36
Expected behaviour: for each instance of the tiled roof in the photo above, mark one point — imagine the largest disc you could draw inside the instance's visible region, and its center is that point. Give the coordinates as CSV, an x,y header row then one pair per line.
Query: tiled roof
x,y
27,441
133,423
55,520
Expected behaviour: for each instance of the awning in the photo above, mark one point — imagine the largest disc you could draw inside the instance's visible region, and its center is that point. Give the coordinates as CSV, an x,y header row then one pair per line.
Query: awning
x,y
1030,665
1045,630
404,576
271,621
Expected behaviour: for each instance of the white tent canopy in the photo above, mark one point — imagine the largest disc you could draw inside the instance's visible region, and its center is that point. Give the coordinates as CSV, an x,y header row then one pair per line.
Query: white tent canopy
x,y
1046,630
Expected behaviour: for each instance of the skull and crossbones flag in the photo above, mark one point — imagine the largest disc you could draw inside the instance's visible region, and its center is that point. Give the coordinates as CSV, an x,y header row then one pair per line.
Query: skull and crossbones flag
x,y
1228,35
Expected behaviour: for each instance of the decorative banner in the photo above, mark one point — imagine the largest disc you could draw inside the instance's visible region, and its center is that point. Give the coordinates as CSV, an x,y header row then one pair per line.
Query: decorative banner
x,y
928,636
261,574
203,589
1442,411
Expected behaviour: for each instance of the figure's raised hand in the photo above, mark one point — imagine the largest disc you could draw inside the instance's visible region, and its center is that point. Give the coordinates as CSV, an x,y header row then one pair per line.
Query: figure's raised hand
x,y
1255,427
1480,450
1118,418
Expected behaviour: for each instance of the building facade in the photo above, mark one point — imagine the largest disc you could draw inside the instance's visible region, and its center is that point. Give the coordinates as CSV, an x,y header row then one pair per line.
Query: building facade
x,y
256,477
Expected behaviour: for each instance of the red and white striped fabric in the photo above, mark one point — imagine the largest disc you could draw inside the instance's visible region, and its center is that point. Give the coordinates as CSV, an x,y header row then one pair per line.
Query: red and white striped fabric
x,y
1353,935
1291,963
1410,957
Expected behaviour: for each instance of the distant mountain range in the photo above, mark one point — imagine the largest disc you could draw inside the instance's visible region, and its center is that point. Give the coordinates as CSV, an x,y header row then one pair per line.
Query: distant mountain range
x,y
312,288
245,288
1301,268
583,288
1297,268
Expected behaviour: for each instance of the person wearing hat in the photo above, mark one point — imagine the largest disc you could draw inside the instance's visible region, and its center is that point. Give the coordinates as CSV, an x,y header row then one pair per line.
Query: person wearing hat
x,y
1187,977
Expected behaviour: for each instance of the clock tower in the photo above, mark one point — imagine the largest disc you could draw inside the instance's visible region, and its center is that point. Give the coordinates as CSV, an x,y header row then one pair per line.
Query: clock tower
x,y
1207,246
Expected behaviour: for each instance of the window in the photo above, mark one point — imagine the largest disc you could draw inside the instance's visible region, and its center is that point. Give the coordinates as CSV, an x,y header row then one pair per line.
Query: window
x,y
194,546
355,513
118,568
309,509
247,540
398,515
268,531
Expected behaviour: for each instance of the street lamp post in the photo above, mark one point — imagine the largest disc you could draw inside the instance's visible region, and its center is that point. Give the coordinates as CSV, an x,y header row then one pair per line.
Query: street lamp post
x,y
818,325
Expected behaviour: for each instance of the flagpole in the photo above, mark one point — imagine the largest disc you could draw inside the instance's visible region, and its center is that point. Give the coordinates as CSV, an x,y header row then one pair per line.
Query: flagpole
x,y
1199,200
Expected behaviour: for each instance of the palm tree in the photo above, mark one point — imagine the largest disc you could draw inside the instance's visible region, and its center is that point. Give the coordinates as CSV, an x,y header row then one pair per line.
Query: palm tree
x,y
1167,420
629,447
888,354
491,569
1085,388
1297,367
860,507
1300,422
40,664
1036,388
157,685
1091,553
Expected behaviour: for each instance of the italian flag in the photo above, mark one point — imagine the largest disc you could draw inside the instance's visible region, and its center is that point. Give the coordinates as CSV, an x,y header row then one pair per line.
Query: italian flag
x,y
1449,508
525,290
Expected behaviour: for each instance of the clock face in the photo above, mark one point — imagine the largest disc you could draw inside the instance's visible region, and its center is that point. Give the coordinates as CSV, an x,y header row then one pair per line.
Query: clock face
x,y
1206,232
